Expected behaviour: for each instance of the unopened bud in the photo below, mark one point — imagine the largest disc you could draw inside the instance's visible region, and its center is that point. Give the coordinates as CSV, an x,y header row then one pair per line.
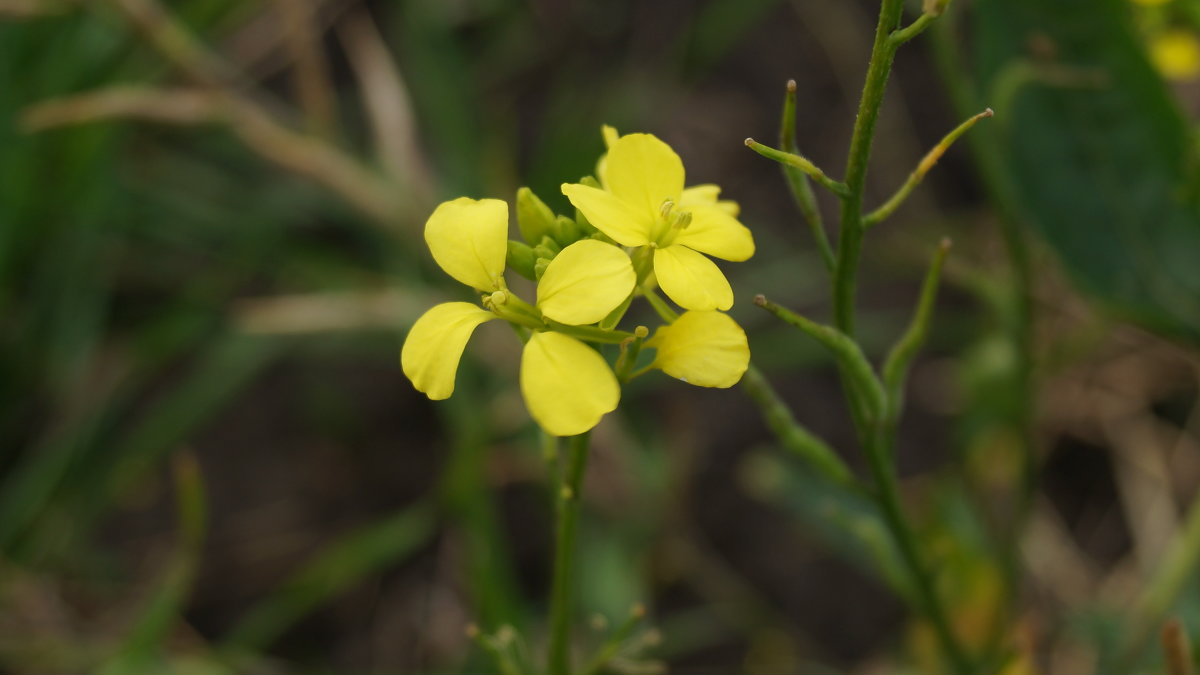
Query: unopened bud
x,y
520,258
534,218
566,231
539,268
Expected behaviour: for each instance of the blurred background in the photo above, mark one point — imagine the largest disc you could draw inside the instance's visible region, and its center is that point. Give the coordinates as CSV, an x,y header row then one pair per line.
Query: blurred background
x,y
210,251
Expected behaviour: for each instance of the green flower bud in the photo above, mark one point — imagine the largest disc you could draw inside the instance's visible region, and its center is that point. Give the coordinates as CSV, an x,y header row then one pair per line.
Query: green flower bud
x,y
547,248
539,268
521,258
566,231
534,218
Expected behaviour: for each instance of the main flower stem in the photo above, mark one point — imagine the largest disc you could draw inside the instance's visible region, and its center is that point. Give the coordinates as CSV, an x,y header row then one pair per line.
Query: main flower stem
x,y
875,434
888,496
570,484
851,232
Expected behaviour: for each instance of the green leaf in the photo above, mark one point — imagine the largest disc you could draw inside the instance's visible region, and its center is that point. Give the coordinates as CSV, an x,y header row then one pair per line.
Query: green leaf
x,y
846,520
339,566
1100,159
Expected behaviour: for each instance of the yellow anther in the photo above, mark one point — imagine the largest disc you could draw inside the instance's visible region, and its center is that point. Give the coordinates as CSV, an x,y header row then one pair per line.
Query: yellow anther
x,y
641,331
498,298
666,208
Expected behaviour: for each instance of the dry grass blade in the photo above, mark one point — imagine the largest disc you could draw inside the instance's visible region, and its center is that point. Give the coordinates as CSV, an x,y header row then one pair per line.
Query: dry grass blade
x,y
316,160
386,100
310,70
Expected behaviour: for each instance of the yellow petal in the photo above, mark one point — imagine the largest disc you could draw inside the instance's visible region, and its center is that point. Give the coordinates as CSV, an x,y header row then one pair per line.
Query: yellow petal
x,y
696,195
627,224
707,349
610,135
567,385
644,172
469,240
435,345
715,232
706,194
585,282
691,280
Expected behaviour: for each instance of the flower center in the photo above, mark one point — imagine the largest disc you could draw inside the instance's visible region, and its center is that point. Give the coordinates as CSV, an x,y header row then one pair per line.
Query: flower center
x,y
671,221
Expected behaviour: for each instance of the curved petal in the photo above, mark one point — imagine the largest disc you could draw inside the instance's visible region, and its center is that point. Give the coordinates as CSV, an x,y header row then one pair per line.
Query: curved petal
x,y
469,240
705,193
610,135
707,349
435,345
626,224
644,171
691,280
567,385
585,282
715,232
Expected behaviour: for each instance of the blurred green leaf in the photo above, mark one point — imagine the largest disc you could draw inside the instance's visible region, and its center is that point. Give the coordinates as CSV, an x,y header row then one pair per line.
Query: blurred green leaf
x,y
339,566
1102,163
849,522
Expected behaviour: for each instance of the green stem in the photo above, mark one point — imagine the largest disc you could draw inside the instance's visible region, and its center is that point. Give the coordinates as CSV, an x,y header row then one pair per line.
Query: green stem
x,y
664,310
866,386
570,482
876,435
591,333
888,496
849,249
902,35
895,367
791,434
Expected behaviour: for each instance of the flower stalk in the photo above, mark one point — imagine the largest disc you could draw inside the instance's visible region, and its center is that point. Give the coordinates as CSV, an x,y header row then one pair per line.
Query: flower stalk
x,y
570,486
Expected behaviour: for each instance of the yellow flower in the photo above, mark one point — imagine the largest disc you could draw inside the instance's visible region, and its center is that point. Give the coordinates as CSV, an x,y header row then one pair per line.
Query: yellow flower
x,y
704,348
1176,54
567,385
644,203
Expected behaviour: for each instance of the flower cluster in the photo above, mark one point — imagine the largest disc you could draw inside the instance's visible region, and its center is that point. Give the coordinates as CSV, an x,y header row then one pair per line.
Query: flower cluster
x,y
637,229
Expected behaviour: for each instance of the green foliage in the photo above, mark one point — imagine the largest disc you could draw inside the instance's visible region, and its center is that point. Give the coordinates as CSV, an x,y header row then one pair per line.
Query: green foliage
x,y
1102,163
